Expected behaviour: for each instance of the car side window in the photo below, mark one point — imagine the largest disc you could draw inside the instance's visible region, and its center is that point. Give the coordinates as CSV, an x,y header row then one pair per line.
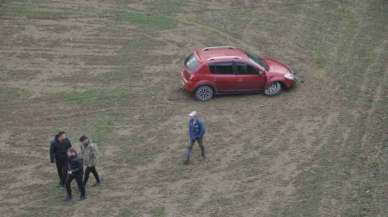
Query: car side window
x,y
245,69
252,70
241,68
221,68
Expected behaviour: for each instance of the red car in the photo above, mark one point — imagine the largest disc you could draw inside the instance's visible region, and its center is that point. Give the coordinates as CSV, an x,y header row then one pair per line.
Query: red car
x,y
220,70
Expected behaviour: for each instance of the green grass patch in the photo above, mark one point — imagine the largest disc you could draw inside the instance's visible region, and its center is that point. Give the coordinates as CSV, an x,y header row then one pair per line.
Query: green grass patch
x,y
139,156
113,76
158,212
235,27
147,21
33,9
97,96
103,128
135,150
99,127
127,212
42,10
12,94
165,7
53,202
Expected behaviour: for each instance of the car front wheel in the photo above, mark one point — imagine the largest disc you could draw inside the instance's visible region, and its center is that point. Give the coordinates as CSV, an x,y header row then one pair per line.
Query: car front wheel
x,y
274,89
204,93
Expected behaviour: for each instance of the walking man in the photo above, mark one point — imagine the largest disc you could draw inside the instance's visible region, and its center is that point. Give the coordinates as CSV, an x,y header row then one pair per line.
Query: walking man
x,y
58,149
89,156
75,171
196,132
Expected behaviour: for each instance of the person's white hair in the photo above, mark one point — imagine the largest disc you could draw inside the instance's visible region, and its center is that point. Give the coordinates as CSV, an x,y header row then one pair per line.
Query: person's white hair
x,y
193,114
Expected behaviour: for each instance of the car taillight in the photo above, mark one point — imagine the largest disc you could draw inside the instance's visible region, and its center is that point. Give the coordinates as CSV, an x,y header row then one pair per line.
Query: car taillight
x,y
186,74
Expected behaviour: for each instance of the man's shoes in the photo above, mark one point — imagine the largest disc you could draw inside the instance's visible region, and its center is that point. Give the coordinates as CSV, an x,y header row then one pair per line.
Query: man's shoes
x,y
82,198
96,184
186,162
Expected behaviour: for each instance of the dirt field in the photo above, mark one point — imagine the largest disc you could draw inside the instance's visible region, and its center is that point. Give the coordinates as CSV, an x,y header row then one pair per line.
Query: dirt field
x,y
110,69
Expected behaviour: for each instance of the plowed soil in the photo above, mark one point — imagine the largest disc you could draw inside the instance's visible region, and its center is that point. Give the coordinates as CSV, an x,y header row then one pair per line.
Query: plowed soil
x,y
110,69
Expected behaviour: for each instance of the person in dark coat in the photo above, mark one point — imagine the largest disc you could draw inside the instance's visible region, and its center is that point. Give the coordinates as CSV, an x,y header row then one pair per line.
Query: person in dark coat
x,y
196,132
58,149
75,170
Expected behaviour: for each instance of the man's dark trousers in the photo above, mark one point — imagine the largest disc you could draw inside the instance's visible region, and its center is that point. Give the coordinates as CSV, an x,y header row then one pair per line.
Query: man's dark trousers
x,y
62,171
200,143
78,178
89,170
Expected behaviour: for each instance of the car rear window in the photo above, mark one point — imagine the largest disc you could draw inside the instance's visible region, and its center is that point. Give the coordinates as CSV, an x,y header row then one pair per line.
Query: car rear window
x,y
191,62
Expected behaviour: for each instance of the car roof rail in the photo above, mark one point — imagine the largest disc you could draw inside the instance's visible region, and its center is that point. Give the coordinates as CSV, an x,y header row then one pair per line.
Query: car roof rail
x,y
217,47
224,57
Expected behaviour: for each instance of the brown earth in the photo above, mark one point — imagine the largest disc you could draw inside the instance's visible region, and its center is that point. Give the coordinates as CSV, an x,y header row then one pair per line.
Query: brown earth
x,y
110,69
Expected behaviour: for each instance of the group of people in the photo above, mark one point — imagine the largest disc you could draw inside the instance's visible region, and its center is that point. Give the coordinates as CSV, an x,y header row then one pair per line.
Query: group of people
x,y
70,164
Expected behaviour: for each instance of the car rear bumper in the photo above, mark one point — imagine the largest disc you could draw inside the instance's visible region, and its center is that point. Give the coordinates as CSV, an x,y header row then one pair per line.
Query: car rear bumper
x,y
186,84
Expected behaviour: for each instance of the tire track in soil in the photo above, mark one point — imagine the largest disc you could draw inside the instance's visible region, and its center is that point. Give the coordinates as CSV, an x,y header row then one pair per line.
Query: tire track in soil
x,y
212,29
232,152
235,147
360,119
175,208
326,206
44,116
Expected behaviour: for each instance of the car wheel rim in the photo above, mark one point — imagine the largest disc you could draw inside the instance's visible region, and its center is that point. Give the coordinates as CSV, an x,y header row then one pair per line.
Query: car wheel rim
x,y
204,93
273,89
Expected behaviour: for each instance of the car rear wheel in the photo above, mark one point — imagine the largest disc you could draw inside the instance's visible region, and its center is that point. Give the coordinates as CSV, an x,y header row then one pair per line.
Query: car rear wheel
x,y
274,89
204,93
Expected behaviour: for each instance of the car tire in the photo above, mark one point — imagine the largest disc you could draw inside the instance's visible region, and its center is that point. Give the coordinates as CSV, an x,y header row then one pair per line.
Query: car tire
x,y
273,89
204,93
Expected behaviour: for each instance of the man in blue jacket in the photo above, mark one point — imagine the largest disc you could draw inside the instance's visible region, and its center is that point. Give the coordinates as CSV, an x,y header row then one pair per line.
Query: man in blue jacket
x,y
196,132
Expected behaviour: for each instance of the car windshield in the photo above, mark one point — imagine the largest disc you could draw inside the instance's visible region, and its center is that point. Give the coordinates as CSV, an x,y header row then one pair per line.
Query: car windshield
x,y
191,62
258,60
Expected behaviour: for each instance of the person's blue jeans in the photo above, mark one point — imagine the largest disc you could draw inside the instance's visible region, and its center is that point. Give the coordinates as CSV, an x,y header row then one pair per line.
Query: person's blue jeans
x,y
190,148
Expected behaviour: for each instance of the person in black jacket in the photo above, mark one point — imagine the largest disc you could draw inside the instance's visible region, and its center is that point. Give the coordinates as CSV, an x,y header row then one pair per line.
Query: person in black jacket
x,y
58,149
75,170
